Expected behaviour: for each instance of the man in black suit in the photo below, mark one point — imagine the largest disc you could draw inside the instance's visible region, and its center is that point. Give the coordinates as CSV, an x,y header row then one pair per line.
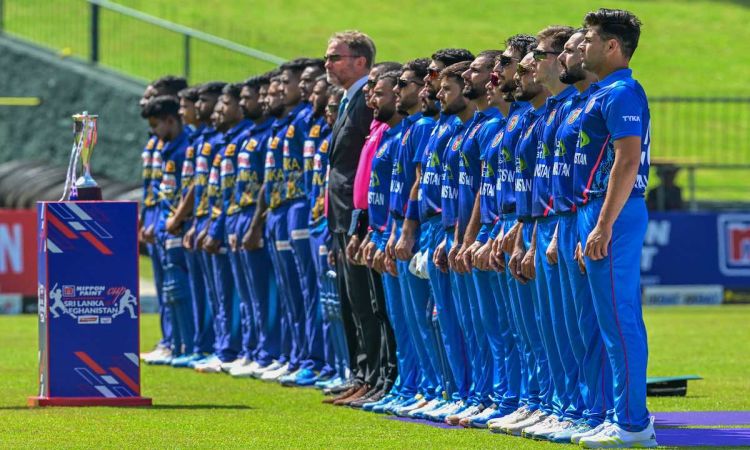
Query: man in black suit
x,y
349,57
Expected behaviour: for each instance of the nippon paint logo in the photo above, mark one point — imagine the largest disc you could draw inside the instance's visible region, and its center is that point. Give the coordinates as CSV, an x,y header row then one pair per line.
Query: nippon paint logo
x,y
11,248
734,244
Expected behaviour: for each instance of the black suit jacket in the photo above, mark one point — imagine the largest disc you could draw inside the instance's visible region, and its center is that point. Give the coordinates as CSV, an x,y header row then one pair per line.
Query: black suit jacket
x,y
349,134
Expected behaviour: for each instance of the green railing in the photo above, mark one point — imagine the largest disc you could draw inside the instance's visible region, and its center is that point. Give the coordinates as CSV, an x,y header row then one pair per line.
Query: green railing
x,y
129,41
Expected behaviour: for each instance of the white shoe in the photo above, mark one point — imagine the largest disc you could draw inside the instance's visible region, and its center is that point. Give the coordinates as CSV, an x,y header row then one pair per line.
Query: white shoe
x,y
533,431
273,375
446,410
455,419
431,404
245,370
550,431
516,428
212,365
257,373
496,425
592,432
229,365
158,351
615,437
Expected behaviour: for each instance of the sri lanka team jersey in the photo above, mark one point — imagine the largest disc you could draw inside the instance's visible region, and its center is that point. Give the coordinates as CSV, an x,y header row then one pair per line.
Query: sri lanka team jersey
x,y
506,189
312,142
146,156
417,130
320,178
555,110
297,130
431,161
378,194
222,178
173,156
525,158
490,145
469,166
565,145
250,159
203,159
617,108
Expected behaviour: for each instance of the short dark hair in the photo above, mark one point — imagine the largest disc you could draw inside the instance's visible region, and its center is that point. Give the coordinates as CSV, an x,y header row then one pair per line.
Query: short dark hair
x,y
390,74
616,24
296,65
455,71
335,91
169,84
418,66
450,56
162,106
190,94
233,90
317,63
521,44
491,54
256,82
320,78
359,44
211,88
387,66
558,35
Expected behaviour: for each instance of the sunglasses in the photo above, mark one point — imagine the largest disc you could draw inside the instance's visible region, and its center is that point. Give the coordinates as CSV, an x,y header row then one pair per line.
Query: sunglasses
x,y
333,107
522,70
541,55
433,73
333,57
506,60
371,83
401,83
494,79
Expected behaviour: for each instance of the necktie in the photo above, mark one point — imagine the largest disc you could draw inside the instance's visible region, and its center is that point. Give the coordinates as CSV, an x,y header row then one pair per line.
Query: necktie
x,y
342,106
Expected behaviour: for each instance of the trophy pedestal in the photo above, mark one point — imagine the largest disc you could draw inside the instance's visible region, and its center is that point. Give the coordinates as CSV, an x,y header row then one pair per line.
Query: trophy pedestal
x,y
89,193
89,306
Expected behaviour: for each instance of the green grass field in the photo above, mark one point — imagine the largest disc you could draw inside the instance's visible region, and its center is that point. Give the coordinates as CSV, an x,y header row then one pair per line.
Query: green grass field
x,y
215,411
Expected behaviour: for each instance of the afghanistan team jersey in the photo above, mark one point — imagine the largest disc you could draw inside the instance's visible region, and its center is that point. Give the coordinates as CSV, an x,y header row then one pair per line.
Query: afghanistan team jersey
x,y
617,108
449,175
294,140
378,194
416,132
469,166
222,178
203,160
318,129
320,179
555,110
492,134
565,144
173,156
506,165
430,158
525,158
250,159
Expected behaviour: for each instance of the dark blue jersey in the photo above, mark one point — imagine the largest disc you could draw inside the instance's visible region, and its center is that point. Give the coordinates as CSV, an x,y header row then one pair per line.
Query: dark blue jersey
x,y
469,165
555,110
565,145
617,108
529,143
203,159
378,194
506,166
293,160
250,160
417,130
492,134
449,176
320,177
318,131
431,161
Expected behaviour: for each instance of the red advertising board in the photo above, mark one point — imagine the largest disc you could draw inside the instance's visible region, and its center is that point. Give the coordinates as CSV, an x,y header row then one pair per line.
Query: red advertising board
x,y
18,252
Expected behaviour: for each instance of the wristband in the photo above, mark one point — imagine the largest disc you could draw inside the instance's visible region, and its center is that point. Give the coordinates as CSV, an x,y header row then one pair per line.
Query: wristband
x,y
412,210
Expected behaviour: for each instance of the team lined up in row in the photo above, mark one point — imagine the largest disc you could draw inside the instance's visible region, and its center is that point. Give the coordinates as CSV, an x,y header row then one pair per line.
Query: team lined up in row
x,y
502,212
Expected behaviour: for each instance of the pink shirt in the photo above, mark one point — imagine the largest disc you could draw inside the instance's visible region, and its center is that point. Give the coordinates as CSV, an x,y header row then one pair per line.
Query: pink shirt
x,y
364,167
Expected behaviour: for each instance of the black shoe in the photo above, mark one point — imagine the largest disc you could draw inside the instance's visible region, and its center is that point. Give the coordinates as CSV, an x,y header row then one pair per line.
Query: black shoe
x,y
340,388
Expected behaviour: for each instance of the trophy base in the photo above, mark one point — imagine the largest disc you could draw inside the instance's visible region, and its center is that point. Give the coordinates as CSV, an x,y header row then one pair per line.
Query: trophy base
x,y
89,193
37,402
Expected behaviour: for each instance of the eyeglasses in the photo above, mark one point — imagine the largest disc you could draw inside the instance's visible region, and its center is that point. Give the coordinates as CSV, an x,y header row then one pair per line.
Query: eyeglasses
x,y
506,60
401,83
523,70
494,79
433,73
371,82
541,55
333,107
333,57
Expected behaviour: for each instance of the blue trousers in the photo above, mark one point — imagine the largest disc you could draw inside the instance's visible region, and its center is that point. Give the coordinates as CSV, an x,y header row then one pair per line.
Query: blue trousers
x,y
523,315
333,352
313,356
249,338
562,365
595,372
227,308
290,291
616,292
165,321
203,338
416,308
176,291
447,316
512,346
206,265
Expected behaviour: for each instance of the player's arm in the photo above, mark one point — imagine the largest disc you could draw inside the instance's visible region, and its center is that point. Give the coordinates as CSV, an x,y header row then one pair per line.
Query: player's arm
x,y
253,238
183,211
406,242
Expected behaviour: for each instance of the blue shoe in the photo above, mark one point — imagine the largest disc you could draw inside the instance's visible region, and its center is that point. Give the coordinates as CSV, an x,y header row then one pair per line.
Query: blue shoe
x,y
184,361
392,407
306,377
383,408
324,384
433,405
406,408
197,362
289,379
383,401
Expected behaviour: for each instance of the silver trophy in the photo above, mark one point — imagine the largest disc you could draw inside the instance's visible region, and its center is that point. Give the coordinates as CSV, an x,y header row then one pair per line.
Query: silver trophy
x,y
85,134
